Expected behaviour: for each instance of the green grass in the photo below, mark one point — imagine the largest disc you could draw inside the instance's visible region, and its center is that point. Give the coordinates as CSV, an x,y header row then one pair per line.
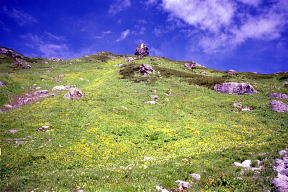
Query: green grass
x,y
99,142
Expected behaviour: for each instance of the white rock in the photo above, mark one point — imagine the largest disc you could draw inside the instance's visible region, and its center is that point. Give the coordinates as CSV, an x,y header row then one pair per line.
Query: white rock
x,y
8,106
61,88
151,102
247,163
45,126
196,176
161,189
183,184
81,79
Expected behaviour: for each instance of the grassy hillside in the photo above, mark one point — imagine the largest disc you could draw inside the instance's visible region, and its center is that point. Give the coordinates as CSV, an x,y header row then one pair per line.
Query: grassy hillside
x,y
110,140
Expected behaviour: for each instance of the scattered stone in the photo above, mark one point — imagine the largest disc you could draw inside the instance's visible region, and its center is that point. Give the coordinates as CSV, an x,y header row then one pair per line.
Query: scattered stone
x,y
80,190
154,91
155,97
55,59
278,95
8,106
161,189
41,93
19,141
204,73
119,65
77,59
235,88
74,93
278,106
45,62
245,164
238,105
142,50
61,76
2,83
247,109
196,176
130,59
61,87
151,102
189,65
168,92
285,83
183,185
13,131
43,128
81,79
231,72
145,69
281,167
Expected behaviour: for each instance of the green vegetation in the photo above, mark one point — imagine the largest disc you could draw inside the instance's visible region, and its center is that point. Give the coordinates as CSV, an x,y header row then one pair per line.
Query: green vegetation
x,y
110,140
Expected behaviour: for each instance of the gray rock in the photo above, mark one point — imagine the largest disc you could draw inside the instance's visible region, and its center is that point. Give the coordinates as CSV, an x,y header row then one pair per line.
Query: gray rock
x,y
204,73
145,69
13,131
151,102
130,59
281,181
278,106
238,105
285,83
189,65
196,176
247,109
155,97
41,93
183,185
61,87
2,83
55,59
235,88
74,93
231,72
142,50
278,95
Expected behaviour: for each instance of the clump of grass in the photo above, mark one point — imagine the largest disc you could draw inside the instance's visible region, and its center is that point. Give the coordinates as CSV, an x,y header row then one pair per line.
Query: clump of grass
x,y
207,81
256,76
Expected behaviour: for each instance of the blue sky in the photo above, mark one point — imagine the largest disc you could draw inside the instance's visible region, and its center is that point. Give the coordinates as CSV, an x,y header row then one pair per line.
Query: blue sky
x,y
245,35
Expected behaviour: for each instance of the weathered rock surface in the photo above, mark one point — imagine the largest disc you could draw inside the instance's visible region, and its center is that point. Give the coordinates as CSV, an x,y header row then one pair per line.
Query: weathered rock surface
x,y
278,106
2,83
74,93
193,65
281,167
145,69
142,50
278,95
235,88
196,176
61,87
9,52
231,72
155,97
183,185
55,59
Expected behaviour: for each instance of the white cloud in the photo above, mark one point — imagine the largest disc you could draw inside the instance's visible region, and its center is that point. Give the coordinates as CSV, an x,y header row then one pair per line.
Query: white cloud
x,y
209,15
21,17
118,6
123,35
223,25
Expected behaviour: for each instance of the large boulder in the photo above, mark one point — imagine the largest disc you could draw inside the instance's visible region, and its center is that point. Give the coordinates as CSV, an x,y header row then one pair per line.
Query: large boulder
x,y
278,106
235,88
74,93
193,65
10,53
145,69
142,50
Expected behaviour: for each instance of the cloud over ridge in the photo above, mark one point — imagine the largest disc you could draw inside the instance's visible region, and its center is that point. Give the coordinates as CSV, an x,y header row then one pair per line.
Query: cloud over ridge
x,y
228,23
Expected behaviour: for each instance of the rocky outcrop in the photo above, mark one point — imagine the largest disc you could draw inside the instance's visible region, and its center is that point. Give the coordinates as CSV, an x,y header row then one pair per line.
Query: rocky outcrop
x,y
55,59
142,50
231,72
193,65
278,95
146,69
278,106
235,88
9,53
281,181
74,93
